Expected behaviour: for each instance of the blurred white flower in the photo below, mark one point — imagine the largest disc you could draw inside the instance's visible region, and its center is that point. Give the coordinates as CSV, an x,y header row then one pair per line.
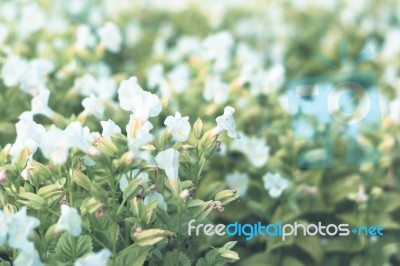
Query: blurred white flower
x,y
26,258
110,37
215,90
155,76
32,20
84,38
12,70
238,182
55,145
226,123
275,184
179,78
255,149
142,103
69,221
85,85
155,196
106,88
100,258
178,126
33,79
264,82
93,106
39,104
168,160
20,228
217,45
109,128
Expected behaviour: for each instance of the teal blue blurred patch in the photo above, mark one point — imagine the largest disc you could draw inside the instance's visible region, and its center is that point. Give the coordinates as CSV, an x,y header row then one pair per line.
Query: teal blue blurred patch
x,y
327,107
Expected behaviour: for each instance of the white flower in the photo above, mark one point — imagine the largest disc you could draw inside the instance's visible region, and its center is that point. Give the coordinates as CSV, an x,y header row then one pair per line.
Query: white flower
x,y
168,160
227,123
238,182
32,20
179,78
155,196
155,76
142,103
29,134
69,221
275,184
27,259
33,80
106,88
217,45
263,82
137,134
100,258
110,37
93,106
20,228
109,128
84,38
178,126
78,136
215,90
55,145
12,70
255,149
85,85
40,104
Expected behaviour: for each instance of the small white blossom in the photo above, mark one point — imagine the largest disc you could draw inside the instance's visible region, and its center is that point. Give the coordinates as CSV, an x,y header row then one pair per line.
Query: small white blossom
x,y
155,196
40,104
29,134
168,160
123,182
20,228
227,123
179,78
215,90
110,37
275,184
109,128
55,145
100,258
178,126
12,70
32,20
142,103
238,182
255,149
138,136
27,259
69,221
84,38
93,106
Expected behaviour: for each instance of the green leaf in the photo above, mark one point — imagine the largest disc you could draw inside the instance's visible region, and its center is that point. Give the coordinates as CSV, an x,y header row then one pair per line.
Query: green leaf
x,y
70,248
176,258
133,255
